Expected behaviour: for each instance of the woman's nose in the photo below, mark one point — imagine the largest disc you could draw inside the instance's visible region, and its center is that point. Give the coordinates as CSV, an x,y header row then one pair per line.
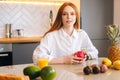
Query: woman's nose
x,y
68,16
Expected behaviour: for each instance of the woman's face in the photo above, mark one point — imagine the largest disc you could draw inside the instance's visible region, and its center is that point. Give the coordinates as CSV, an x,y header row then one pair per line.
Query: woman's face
x,y
68,17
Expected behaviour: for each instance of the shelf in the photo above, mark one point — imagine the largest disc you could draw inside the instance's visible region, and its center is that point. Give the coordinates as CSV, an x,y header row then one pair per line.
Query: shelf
x,y
20,40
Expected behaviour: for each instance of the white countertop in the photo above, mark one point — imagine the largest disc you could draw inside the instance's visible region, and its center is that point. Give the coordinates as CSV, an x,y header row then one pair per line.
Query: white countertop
x,y
68,72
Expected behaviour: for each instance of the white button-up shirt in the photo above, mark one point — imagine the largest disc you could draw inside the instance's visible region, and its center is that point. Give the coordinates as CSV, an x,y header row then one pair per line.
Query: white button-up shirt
x,y
59,44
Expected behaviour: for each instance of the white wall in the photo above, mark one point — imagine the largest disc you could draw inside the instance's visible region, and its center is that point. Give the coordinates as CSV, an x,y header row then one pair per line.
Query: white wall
x,y
33,18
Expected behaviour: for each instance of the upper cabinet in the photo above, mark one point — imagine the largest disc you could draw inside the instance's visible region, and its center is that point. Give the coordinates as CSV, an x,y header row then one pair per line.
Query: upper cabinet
x,y
117,12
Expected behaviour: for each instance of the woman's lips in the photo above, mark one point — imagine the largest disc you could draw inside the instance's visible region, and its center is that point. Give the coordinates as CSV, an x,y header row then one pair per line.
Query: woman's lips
x,y
68,21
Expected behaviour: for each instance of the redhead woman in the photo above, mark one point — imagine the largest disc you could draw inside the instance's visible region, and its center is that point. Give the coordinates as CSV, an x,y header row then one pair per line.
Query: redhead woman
x,y
65,38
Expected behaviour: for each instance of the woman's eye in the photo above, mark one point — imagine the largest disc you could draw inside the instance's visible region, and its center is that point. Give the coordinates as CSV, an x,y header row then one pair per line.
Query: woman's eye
x,y
72,13
64,14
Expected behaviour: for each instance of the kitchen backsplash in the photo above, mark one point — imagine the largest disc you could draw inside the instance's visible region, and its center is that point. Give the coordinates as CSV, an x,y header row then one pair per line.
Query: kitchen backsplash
x,y
32,18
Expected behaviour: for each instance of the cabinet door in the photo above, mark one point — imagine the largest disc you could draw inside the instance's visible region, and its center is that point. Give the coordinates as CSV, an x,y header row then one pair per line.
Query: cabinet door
x,y
22,53
102,46
96,14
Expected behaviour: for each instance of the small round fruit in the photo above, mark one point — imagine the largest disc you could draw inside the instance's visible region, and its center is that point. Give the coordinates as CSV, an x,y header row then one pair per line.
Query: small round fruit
x,y
94,65
87,70
103,68
48,73
95,70
107,62
116,64
80,54
32,71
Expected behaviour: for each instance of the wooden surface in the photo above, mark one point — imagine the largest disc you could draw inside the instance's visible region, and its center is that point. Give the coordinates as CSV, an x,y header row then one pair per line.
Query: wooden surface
x,y
20,40
68,72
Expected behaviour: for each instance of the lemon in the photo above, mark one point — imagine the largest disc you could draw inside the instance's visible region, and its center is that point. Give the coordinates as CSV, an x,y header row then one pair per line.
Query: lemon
x,y
48,73
116,64
32,71
106,62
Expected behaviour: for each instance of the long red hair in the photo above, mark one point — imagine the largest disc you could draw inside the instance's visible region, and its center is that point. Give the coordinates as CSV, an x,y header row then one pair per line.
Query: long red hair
x,y
58,21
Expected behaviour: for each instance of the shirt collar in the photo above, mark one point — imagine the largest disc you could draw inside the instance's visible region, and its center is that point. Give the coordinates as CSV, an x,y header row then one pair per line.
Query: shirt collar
x,y
74,34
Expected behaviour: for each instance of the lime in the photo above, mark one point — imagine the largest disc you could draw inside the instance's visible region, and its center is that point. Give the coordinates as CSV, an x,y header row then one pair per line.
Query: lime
x,y
32,71
48,73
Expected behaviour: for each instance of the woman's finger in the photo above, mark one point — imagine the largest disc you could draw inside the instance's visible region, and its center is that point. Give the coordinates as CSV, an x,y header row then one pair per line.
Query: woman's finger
x,y
75,61
77,58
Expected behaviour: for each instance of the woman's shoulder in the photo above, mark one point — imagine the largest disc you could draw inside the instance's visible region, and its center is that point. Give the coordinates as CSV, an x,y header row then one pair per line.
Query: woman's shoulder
x,y
51,34
81,31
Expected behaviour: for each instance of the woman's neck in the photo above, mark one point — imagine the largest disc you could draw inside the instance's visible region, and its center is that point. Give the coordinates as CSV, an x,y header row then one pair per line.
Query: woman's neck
x,y
68,30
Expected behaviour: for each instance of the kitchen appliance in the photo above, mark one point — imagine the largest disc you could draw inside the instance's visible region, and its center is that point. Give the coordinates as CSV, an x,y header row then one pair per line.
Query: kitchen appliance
x,y
19,33
8,30
5,54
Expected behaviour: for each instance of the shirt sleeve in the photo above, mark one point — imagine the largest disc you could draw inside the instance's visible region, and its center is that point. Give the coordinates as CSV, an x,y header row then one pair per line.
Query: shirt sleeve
x,y
90,49
43,50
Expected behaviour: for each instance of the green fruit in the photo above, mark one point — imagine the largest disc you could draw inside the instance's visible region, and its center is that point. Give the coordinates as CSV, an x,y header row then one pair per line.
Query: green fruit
x,y
48,73
32,71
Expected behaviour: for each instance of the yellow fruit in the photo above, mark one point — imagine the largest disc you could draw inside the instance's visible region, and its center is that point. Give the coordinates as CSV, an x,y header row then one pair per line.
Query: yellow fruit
x,y
116,64
106,62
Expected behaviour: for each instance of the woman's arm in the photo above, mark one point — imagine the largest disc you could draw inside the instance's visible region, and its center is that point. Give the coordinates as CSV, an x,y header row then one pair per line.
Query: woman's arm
x,y
90,49
43,50
70,59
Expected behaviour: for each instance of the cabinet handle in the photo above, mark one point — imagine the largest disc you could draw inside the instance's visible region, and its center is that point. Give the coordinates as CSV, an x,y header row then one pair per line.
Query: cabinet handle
x,y
1,49
3,55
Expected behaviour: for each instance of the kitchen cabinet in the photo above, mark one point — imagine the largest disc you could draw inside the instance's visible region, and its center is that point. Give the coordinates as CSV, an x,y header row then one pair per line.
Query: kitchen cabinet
x,y
17,50
96,15
117,12
22,52
5,54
